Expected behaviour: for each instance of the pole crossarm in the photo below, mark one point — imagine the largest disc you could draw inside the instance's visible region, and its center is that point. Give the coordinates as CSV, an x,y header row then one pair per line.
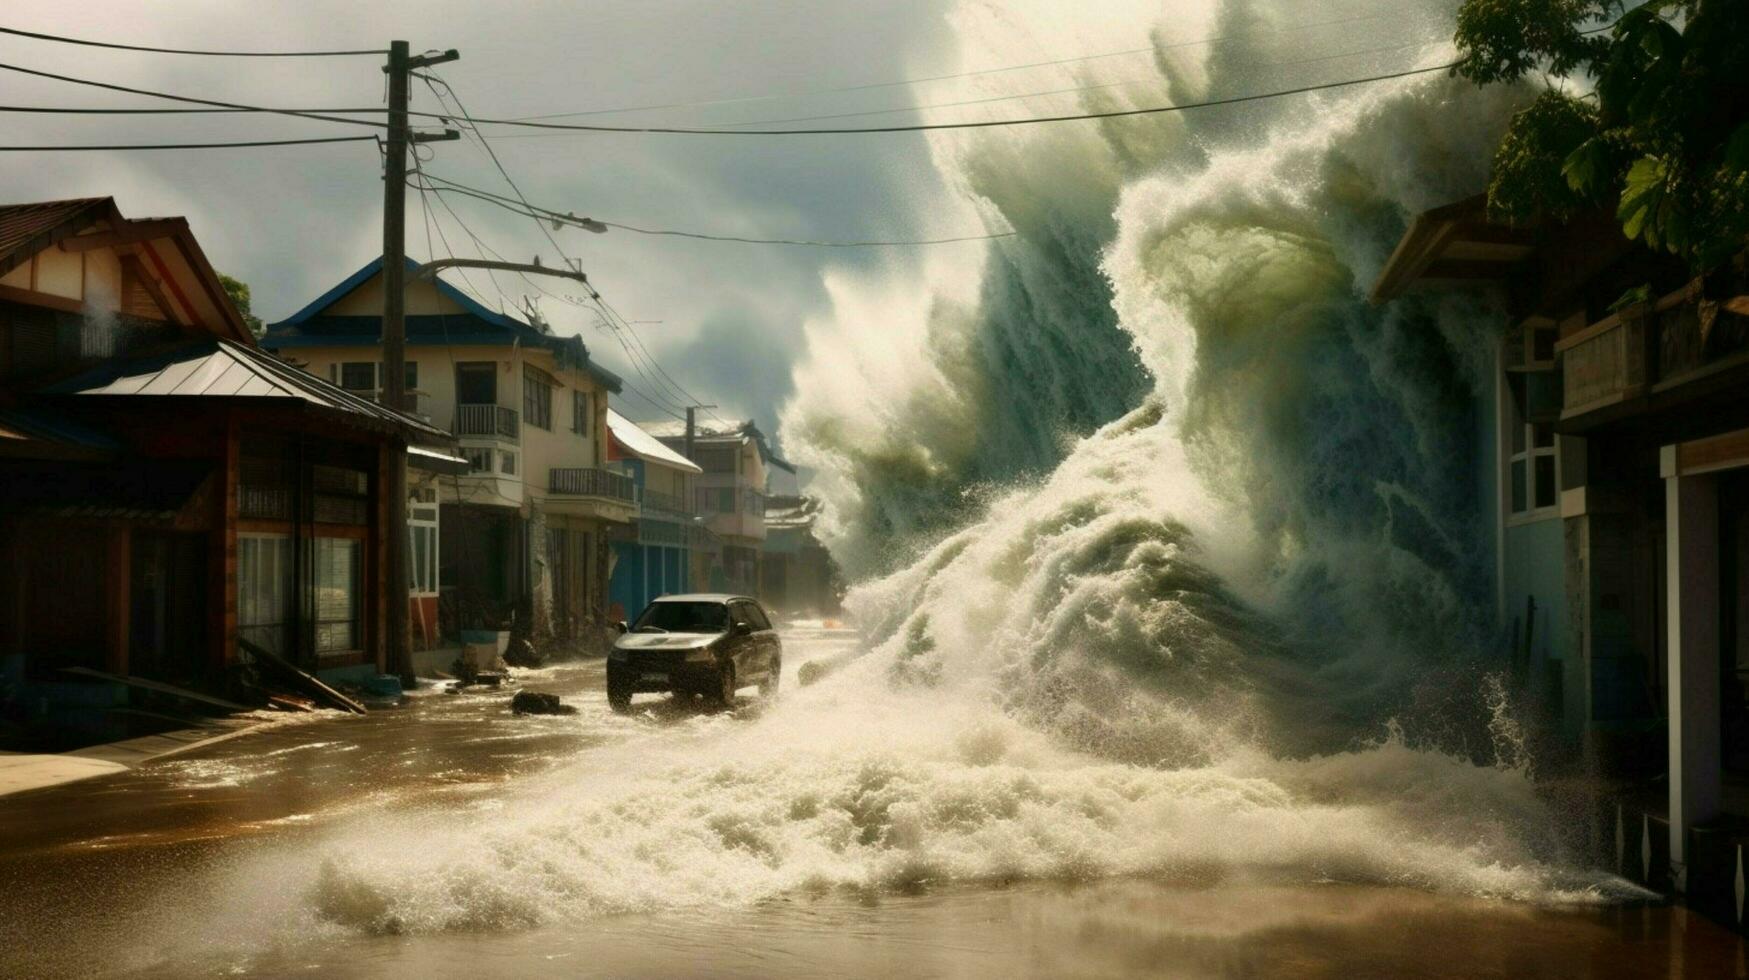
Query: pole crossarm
x,y
431,268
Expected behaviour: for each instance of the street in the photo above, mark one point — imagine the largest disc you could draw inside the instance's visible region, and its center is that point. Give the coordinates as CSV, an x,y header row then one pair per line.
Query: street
x,y
239,860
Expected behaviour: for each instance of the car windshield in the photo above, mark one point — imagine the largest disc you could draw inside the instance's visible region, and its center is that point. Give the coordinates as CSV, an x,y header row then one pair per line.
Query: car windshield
x,y
683,617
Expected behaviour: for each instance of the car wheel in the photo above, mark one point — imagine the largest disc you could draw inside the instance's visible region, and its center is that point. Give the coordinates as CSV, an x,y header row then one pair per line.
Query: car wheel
x,y
619,699
768,686
725,692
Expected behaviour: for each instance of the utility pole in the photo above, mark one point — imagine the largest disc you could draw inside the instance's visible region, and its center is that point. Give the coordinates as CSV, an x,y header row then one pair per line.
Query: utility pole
x,y
394,383
692,425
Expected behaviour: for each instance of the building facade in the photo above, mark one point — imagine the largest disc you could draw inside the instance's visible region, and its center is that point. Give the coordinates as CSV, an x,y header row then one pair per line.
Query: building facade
x,y
168,489
656,555
521,539
736,462
798,574
1619,454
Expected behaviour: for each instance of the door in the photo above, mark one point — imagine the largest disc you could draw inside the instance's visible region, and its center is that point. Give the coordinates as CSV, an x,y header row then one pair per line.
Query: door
x,y
167,591
476,383
744,647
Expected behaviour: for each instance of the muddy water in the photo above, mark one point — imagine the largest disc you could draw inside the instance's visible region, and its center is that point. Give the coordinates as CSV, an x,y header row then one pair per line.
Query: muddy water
x,y
206,864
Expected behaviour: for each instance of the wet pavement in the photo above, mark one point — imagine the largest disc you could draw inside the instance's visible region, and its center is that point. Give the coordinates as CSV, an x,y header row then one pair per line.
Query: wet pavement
x,y
137,874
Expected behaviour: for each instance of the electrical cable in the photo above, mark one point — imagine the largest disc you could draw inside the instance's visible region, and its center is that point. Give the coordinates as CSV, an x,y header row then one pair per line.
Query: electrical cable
x,y
60,39
184,146
552,215
665,406
191,99
956,75
432,80
982,124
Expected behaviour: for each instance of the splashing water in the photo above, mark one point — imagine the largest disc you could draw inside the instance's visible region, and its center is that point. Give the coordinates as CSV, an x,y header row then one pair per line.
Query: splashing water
x,y
1181,520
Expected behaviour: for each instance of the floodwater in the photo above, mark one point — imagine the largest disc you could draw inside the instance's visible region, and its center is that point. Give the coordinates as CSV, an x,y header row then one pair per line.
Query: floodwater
x,y
209,864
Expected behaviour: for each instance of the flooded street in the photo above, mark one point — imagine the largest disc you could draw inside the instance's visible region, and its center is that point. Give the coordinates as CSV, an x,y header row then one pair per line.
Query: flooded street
x,y
419,842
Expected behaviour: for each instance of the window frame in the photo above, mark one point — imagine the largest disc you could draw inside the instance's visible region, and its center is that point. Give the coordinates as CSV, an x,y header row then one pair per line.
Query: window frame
x,y
1519,448
537,393
580,415
355,621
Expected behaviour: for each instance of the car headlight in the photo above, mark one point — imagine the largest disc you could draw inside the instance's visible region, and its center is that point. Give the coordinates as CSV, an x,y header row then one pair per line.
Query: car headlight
x,y
618,656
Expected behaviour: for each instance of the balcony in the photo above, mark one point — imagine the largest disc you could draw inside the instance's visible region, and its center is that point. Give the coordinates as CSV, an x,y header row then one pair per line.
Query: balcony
x,y
657,503
592,492
1656,353
494,421
1605,364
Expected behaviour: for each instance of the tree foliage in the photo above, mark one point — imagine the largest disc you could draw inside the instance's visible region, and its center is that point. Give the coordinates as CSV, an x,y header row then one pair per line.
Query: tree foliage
x,y
1662,137
238,290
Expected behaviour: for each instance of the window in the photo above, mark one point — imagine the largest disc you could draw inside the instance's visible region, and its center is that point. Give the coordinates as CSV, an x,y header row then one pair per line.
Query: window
x,y
1530,461
367,376
537,400
264,577
422,551
756,616
336,596
580,413
479,459
358,376
506,462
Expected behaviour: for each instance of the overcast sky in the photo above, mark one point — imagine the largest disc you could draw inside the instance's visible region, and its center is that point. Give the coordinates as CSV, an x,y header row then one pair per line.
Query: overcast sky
x,y
293,221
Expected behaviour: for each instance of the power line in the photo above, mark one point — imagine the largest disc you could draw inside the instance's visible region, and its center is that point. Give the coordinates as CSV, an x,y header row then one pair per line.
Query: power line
x,y
453,187
211,54
188,98
665,405
984,124
185,146
432,80
699,103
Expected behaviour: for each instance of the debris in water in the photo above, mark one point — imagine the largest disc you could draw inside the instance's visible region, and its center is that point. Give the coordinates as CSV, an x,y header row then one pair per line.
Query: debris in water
x,y
539,703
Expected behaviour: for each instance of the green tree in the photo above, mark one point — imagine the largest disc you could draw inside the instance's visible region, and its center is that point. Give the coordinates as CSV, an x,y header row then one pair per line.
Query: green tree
x,y
238,290
1662,134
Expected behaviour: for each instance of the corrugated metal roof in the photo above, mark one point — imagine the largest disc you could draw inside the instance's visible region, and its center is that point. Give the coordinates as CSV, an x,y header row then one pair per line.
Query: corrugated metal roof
x,y
223,369
641,443
23,224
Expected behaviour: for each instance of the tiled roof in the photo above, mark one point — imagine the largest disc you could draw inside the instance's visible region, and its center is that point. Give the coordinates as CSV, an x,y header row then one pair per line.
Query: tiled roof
x,y
223,369
23,226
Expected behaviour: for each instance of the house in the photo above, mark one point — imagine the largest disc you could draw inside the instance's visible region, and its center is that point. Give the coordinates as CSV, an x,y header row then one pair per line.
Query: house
x,y
653,557
1617,455
736,461
522,537
799,575
166,486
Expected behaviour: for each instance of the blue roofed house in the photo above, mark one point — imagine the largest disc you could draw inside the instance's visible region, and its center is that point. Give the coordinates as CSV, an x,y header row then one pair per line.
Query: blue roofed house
x,y
522,537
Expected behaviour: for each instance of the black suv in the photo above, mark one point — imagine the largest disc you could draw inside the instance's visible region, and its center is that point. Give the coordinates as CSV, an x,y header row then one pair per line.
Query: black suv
x,y
695,644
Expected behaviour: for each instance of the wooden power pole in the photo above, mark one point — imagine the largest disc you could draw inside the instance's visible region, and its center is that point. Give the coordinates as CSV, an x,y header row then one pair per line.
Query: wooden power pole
x,y
394,383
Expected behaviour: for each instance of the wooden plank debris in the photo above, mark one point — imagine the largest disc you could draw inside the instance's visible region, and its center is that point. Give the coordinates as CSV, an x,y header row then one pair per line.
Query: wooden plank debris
x,y
159,687
311,684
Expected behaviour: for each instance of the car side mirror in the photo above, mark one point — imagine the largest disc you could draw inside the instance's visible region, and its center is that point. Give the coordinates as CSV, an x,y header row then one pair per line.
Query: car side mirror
x,y
743,629
622,627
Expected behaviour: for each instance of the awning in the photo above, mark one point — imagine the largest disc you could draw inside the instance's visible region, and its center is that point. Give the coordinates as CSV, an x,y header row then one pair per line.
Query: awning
x,y
436,461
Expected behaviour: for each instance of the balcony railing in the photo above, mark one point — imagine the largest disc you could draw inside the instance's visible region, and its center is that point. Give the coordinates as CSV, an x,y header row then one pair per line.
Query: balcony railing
x,y
486,420
590,481
655,500
1605,363
730,500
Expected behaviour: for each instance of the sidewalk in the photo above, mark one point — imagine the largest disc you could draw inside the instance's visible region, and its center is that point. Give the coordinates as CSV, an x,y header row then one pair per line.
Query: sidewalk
x,y
23,771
